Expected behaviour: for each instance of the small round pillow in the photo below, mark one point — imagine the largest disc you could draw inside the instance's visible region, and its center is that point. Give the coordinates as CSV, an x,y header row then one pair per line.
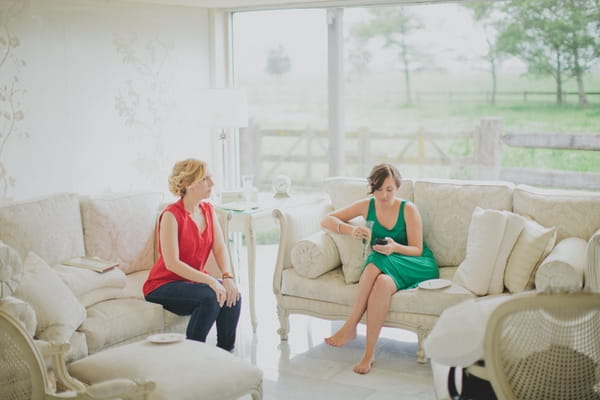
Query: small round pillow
x,y
21,311
315,255
11,270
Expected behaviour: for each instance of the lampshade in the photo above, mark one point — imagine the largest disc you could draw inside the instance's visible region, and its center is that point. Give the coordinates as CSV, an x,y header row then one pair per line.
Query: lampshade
x,y
224,108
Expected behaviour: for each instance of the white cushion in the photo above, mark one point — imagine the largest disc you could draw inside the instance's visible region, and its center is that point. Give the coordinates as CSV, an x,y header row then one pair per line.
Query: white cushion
x,y
351,252
50,227
21,311
99,295
300,222
57,310
574,213
121,228
564,267
315,255
531,247
514,227
187,370
457,337
81,280
11,270
483,244
446,207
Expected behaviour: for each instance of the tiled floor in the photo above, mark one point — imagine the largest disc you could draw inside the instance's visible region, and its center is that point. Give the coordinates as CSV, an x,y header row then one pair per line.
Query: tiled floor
x,y
307,368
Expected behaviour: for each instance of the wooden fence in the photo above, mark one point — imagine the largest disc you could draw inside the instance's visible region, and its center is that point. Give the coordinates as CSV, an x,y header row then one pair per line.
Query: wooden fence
x,y
303,154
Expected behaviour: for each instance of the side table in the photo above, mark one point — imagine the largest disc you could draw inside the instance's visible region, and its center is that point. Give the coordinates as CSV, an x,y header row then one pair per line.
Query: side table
x,y
249,218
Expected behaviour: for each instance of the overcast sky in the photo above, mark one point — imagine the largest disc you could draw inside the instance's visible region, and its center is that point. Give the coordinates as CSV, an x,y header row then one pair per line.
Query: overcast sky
x,y
449,30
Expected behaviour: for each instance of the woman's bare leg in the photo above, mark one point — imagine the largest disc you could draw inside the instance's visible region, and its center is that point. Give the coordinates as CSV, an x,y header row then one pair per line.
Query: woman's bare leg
x,y
377,309
348,331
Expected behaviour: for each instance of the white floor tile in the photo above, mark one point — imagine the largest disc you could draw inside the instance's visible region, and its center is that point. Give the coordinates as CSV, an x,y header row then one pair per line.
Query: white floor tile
x,y
307,368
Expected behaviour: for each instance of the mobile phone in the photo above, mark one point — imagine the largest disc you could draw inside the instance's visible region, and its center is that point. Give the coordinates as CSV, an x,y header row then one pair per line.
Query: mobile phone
x,y
381,241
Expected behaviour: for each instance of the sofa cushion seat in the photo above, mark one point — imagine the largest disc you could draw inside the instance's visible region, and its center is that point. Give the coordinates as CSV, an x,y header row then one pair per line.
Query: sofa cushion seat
x,y
114,321
332,288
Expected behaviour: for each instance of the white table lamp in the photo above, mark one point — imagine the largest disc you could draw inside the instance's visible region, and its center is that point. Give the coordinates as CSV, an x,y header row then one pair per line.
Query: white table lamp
x,y
225,109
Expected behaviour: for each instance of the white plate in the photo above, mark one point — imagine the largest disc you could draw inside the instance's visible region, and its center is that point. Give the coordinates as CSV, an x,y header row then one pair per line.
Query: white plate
x,y
166,337
433,284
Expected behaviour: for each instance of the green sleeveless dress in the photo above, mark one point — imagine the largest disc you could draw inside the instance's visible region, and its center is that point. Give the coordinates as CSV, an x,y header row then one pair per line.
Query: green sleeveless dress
x,y
406,271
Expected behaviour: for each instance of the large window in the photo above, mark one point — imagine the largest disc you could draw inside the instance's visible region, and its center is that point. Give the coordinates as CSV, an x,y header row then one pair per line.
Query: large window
x,y
280,57
427,87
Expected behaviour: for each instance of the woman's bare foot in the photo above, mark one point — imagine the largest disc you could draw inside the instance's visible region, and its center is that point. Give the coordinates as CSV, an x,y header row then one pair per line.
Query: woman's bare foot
x,y
341,337
364,366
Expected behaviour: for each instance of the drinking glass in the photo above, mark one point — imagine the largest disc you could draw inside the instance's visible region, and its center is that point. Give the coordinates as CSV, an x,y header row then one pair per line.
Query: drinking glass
x,y
248,187
366,249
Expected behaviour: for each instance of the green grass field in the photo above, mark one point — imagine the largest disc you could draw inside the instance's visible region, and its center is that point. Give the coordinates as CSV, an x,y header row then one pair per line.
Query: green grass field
x,y
442,103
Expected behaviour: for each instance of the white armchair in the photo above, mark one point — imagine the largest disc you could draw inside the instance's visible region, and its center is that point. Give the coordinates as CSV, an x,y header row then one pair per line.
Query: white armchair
x,y
23,373
545,346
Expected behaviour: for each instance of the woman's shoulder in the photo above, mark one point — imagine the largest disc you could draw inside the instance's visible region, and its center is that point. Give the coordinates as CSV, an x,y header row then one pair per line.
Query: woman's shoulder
x,y
408,205
175,207
206,205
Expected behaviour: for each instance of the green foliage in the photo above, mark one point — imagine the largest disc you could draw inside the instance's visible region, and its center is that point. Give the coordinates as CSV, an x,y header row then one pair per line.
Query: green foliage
x,y
554,37
393,25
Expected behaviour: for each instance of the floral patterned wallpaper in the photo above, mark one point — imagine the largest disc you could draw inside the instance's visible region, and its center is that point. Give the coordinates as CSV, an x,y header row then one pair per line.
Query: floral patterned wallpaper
x,y
11,88
99,97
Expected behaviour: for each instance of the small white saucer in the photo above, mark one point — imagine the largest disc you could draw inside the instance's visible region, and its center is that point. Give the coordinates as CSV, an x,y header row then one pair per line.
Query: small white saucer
x,y
166,338
433,284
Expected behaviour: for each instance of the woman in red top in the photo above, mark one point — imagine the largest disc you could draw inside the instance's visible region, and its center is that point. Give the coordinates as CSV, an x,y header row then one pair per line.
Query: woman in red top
x,y
188,231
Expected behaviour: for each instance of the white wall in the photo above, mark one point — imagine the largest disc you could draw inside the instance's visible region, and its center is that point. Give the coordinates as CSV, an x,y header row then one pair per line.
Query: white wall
x,y
104,95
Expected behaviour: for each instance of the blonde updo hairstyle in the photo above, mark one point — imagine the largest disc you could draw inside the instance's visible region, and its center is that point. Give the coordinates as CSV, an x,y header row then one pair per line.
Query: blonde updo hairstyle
x,y
380,173
184,174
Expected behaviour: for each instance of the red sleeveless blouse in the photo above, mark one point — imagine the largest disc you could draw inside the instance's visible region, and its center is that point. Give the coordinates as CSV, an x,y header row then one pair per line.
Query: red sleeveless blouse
x,y
194,248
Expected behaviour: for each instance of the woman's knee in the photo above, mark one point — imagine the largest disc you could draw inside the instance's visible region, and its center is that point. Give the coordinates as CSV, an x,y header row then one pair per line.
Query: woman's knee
x,y
384,284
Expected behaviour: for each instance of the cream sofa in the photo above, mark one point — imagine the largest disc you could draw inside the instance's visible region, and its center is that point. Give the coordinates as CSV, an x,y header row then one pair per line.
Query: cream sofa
x,y
91,311
563,228
89,325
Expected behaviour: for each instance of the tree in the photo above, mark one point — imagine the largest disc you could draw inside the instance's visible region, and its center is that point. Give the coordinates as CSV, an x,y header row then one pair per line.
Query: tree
x,y
488,15
278,62
394,25
554,37
358,58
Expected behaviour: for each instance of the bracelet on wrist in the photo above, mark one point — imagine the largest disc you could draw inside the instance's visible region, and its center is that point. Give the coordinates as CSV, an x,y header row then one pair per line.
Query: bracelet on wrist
x,y
226,275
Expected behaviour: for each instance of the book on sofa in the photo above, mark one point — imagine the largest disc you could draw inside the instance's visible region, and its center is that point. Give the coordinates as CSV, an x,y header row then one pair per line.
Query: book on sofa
x,y
94,263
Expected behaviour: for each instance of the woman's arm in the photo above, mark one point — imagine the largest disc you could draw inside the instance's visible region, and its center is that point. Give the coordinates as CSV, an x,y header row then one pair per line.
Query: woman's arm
x,y
223,262
220,248
414,232
337,221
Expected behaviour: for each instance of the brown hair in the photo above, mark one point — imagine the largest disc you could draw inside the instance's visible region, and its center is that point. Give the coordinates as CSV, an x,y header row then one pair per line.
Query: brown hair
x,y
185,173
380,173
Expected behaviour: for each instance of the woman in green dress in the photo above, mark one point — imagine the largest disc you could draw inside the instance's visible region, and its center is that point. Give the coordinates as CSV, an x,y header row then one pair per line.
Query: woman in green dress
x,y
401,263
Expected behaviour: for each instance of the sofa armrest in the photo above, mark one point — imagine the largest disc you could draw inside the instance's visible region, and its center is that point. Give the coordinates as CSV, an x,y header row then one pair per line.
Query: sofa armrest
x,y
296,223
592,276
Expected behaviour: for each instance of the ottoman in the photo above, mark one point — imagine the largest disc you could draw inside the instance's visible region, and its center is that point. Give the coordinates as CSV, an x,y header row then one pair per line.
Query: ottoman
x,y
181,370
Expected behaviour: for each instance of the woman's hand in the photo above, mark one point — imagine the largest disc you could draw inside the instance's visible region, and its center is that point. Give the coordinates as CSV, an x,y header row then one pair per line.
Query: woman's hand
x,y
385,249
219,290
361,232
232,292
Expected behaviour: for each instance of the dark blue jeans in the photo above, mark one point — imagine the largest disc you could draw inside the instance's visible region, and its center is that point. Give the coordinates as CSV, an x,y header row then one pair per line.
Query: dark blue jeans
x,y
200,302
